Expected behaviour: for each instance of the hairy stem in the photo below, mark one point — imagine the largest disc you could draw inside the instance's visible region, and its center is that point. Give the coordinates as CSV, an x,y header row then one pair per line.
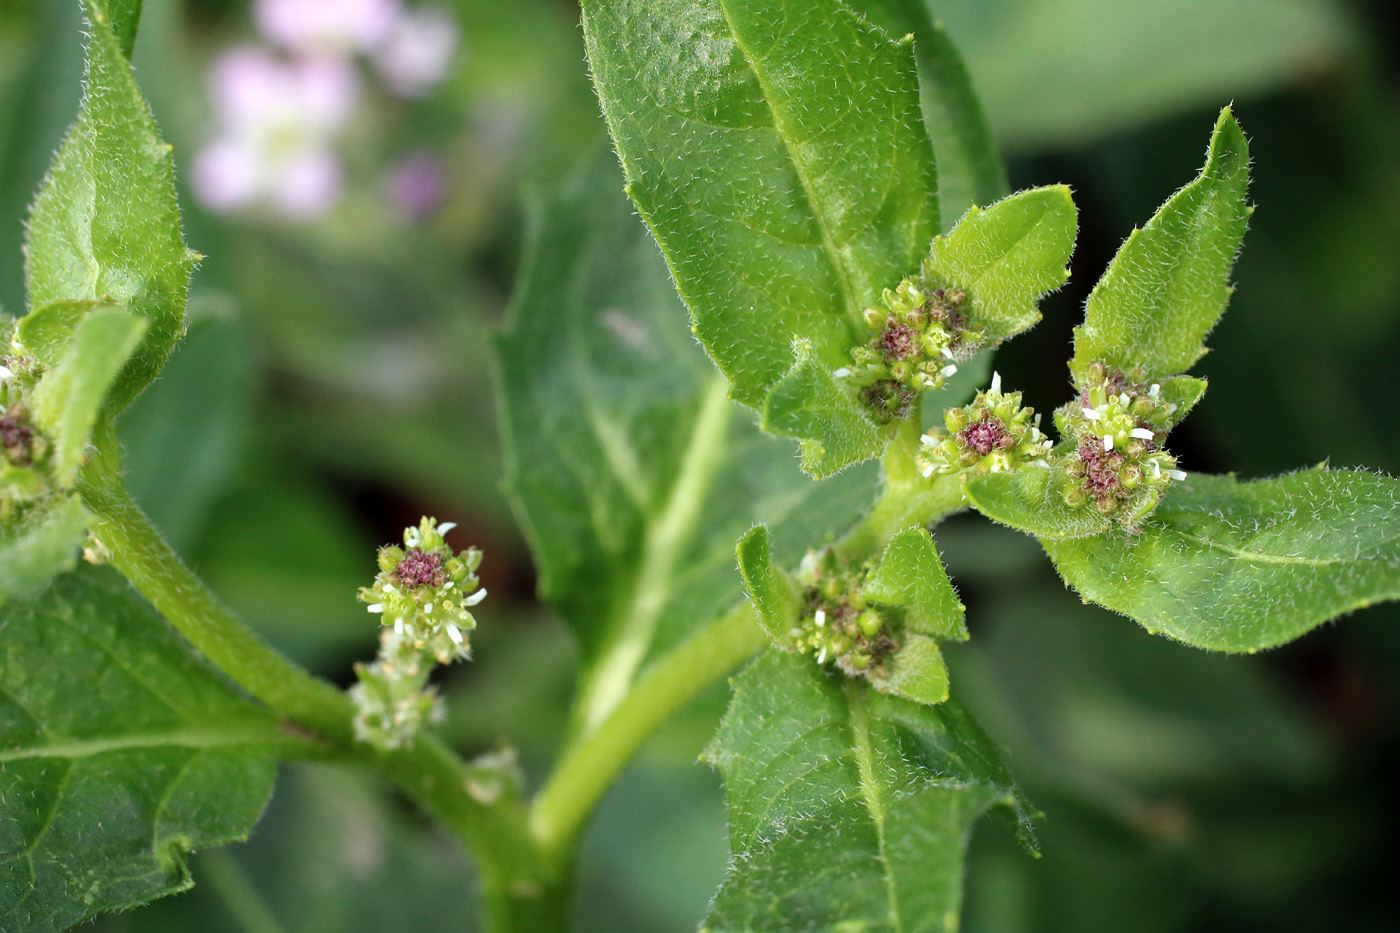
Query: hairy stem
x,y
590,766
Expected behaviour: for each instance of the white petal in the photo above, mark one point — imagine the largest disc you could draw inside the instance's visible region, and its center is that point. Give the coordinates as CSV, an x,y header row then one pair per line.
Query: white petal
x,y
948,370
5,372
398,626
928,440
1176,474
428,608
947,354
376,607
1141,433
928,470
1108,442
821,658
821,618
445,527
454,633
1154,390
474,598
1090,414
996,383
841,373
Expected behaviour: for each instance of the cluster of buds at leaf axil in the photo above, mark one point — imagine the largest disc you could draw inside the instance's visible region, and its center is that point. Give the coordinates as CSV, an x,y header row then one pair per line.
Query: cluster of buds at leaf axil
x,y
994,434
918,336
23,448
423,595
1117,427
837,625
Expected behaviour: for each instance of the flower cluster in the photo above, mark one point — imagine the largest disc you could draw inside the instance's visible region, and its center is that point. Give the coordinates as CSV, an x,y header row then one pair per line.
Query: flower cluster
x,y
1118,426
993,434
281,108
837,625
23,448
423,592
918,335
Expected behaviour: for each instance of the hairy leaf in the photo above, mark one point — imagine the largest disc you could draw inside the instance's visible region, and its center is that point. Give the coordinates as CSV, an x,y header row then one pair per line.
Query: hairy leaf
x,y
772,591
1237,566
632,472
848,809
106,227
120,751
970,170
1008,255
777,152
38,543
1030,500
810,403
69,397
912,575
1169,283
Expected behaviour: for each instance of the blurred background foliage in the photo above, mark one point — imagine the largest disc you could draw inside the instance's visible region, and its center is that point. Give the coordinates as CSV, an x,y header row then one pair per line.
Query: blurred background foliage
x,y
336,384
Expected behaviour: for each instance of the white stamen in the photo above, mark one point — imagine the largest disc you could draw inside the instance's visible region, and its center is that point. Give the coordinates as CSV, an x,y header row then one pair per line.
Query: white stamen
x,y
398,626
841,373
1154,390
948,370
410,537
454,633
928,470
1123,398
821,658
1176,474
390,588
5,372
1141,433
1091,414
947,354
996,383
475,598
1108,442
820,618
428,608
445,527
448,585
376,607
928,440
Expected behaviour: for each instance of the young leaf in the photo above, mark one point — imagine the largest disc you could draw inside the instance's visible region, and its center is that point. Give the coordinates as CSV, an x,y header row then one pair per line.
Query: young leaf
x,y
1030,500
632,472
120,751
970,170
911,575
1008,255
38,544
848,808
777,152
1169,283
105,226
772,592
69,397
1235,566
809,403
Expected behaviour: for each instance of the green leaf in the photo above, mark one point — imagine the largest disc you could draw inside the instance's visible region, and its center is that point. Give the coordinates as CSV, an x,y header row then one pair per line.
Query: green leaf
x,y
970,170
848,809
105,226
46,331
1169,283
632,473
1030,500
1008,255
911,575
811,404
777,152
122,751
68,398
39,543
772,591
1235,566
125,16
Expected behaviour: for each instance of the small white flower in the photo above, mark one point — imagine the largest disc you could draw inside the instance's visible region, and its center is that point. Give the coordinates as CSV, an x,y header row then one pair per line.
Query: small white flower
x,y
1176,474
948,370
841,373
820,618
928,441
454,633
1141,434
445,527
5,372
376,607
428,608
821,658
1108,442
1154,390
928,470
947,354
996,383
1090,414
474,598
398,626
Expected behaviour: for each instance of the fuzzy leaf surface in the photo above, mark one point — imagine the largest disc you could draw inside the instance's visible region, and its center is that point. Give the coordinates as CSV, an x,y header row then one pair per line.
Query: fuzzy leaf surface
x,y
632,472
773,593
1169,282
39,543
970,169
105,226
777,151
912,575
848,809
1008,255
1238,566
120,751
1029,500
811,404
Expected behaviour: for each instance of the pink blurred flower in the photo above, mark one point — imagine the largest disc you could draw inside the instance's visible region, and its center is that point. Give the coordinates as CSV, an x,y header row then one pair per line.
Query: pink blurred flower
x,y
337,27
417,184
277,121
416,52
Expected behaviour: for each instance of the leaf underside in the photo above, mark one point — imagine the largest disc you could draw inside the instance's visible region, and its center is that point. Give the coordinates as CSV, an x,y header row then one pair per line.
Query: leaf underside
x,y
120,752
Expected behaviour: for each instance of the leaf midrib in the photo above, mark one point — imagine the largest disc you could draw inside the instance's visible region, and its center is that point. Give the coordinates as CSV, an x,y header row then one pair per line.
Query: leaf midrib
x,y
871,793
247,733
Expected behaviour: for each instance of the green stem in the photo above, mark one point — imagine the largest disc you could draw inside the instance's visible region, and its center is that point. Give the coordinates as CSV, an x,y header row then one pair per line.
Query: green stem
x,y
589,767
138,551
